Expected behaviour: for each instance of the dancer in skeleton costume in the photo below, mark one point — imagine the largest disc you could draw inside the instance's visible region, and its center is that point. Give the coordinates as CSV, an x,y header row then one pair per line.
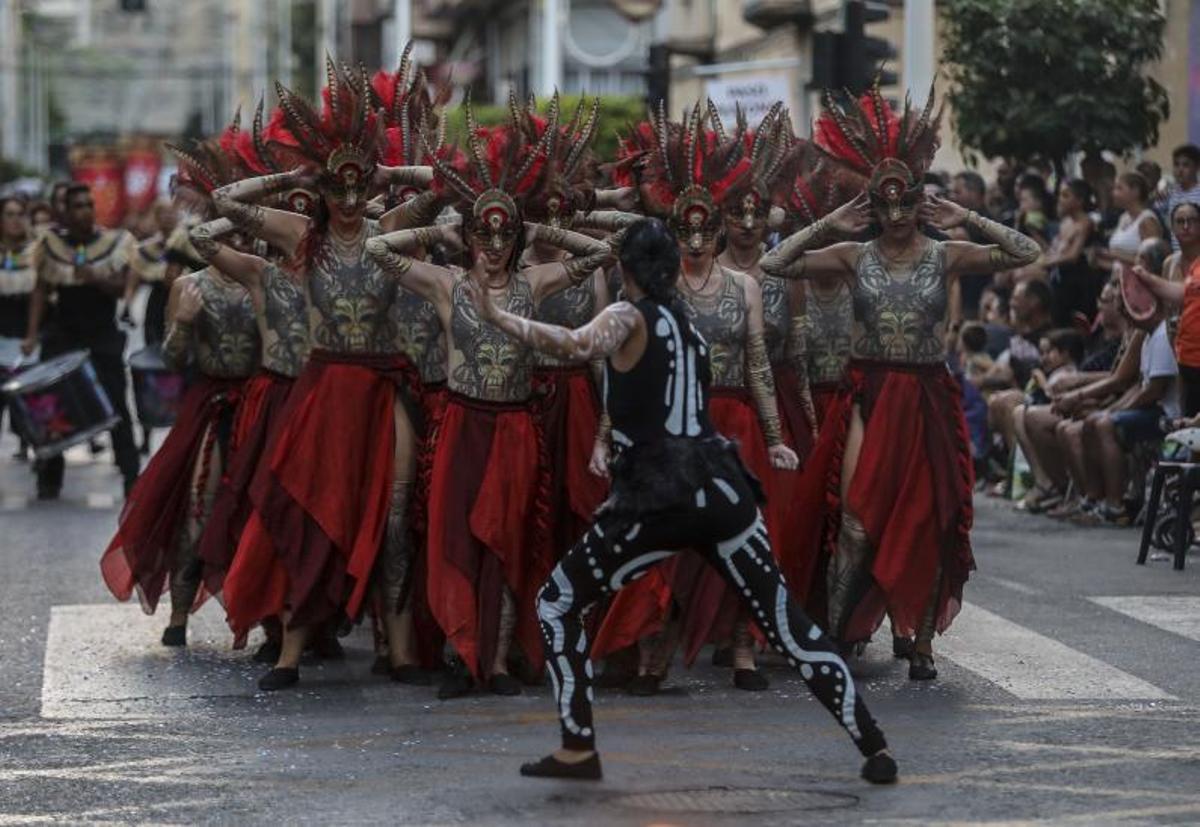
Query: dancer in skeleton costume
x,y
325,503
211,324
281,315
687,173
18,276
901,467
488,547
83,268
676,484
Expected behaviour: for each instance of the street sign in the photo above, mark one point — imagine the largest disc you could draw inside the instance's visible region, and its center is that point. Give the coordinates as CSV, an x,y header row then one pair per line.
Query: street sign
x,y
754,93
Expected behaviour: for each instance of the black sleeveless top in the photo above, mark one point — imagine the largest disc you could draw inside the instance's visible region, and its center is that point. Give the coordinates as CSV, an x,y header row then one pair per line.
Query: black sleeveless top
x,y
665,395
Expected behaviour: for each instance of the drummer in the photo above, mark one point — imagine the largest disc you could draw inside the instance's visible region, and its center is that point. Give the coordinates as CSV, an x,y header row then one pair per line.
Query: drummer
x,y
83,267
16,285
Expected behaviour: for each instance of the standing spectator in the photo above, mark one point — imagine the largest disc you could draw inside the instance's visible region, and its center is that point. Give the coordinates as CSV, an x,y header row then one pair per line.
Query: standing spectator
x,y
1138,222
1152,172
1185,233
969,190
1075,285
1186,187
1033,208
993,312
1187,337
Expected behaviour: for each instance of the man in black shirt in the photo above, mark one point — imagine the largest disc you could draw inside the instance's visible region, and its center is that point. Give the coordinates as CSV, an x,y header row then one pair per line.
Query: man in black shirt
x,y
84,267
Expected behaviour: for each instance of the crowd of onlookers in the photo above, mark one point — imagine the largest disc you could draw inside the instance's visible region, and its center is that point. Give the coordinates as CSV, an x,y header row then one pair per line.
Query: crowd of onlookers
x,y
1076,367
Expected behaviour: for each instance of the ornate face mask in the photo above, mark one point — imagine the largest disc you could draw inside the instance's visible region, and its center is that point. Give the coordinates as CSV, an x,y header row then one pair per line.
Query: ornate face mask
x,y
497,220
558,212
750,212
300,200
348,176
893,190
695,219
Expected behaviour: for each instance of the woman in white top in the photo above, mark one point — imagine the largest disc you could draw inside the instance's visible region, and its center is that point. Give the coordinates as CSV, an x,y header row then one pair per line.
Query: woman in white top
x,y
1138,222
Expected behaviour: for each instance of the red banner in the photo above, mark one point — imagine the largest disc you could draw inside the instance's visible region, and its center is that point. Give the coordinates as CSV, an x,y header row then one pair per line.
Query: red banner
x,y
142,166
103,171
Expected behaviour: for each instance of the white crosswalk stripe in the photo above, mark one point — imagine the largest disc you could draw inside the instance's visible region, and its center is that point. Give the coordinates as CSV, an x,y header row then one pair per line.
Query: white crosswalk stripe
x,y
1033,666
1178,614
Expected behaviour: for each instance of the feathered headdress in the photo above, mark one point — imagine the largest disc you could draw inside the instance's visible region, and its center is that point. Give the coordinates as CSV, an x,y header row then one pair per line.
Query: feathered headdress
x,y
214,162
814,186
685,170
563,168
408,109
768,147
869,138
270,148
343,140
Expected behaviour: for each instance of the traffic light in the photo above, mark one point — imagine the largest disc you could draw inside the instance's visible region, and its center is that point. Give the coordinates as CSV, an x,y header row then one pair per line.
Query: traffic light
x,y
658,80
851,59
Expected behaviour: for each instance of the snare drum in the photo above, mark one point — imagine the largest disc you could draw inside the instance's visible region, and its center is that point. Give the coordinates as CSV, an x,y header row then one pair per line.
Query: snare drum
x,y
59,403
157,390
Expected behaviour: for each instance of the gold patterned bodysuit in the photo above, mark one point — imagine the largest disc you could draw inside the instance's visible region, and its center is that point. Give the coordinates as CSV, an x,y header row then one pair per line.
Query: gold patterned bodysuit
x,y
900,312
226,344
828,322
349,297
572,307
283,323
419,335
485,363
722,318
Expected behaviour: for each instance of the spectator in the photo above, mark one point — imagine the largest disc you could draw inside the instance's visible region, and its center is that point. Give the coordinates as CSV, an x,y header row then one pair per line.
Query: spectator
x,y
40,216
1152,172
1137,223
968,189
1108,333
1033,214
993,312
1185,232
973,355
1136,417
1062,351
1075,285
1186,163
1187,337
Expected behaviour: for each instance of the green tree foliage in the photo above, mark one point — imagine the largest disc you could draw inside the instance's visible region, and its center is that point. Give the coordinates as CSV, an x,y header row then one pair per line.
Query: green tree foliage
x,y
1045,78
617,115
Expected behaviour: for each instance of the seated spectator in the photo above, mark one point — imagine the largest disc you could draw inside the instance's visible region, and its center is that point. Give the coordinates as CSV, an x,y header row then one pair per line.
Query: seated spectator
x,y
1104,342
1033,208
1185,162
993,312
1138,416
1184,296
973,355
1062,351
968,190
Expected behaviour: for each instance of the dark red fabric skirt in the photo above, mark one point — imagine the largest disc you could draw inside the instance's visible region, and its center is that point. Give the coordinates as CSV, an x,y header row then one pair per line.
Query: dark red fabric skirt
x,y
570,417
912,490
142,552
257,421
824,394
321,496
488,526
709,607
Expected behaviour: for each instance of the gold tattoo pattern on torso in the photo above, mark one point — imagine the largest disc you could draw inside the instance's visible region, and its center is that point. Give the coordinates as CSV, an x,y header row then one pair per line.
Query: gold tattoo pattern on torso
x,y
777,317
485,362
419,334
900,309
572,307
283,323
722,318
227,340
349,296
828,321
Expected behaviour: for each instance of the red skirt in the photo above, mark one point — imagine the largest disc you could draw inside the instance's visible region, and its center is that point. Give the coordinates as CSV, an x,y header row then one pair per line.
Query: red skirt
x,y
321,496
258,419
912,490
709,607
142,552
824,394
488,526
570,418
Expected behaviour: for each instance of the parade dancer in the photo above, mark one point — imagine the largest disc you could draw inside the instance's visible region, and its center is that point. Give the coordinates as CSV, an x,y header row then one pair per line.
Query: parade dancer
x,y
687,172
17,280
81,274
211,327
676,484
324,503
901,468
488,521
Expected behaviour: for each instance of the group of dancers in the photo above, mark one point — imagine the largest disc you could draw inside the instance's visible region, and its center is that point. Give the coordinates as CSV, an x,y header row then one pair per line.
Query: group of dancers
x,y
481,395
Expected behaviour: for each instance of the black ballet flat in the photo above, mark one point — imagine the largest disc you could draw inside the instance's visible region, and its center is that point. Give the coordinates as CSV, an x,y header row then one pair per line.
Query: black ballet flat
x,y
644,686
410,674
723,657
550,767
880,768
921,668
903,648
268,652
505,685
455,684
750,680
281,677
174,636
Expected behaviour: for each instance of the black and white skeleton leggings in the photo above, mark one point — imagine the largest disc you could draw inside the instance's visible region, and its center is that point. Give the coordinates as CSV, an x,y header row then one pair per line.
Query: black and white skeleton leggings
x,y
601,563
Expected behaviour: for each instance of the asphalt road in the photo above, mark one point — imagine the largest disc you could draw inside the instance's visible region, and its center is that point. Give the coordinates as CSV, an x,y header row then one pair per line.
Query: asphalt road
x,y
1068,694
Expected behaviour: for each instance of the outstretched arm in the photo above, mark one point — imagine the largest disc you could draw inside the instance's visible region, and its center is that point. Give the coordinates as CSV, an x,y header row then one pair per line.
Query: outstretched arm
x,y
812,251
281,228
244,268
1009,251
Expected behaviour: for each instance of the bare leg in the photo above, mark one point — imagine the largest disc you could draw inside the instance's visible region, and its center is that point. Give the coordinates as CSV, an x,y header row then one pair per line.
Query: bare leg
x,y
1070,440
187,569
1040,426
1020,431
1112,462
848,575
1093,472
294,641
395,558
